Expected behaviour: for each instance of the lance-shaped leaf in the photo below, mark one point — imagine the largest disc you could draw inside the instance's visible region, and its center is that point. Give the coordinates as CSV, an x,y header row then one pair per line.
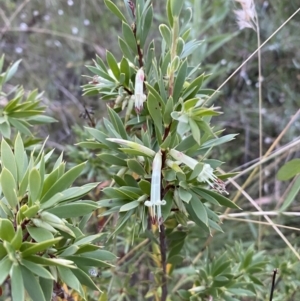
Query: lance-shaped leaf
x,y
64,182
32,286
9,187
5,267
8,159
17,287
115,10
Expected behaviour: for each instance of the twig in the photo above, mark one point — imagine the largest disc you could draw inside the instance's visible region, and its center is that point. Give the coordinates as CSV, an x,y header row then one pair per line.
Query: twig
x,y
163,253
15,13
133,250
259,222
273,284
54,33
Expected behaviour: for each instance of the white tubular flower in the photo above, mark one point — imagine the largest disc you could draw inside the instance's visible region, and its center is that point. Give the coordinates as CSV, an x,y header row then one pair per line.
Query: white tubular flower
x,y
147,151
155,197
139,96
182,158
207,173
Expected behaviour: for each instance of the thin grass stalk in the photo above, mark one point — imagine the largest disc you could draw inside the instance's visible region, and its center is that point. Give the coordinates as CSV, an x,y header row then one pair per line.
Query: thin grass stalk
x,y
252,55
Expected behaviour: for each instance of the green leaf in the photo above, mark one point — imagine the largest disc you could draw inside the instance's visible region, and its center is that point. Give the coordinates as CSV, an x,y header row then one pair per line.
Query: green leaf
x,y
101,73
19,157
47,288
186,144
17,288
82,261
112,160
129,37
41,119
193,88
7,231
9,187
112,63
199,209
70,279
117,123
145,186
72,193
3,252
31,211
289,170
100,255
32,286
179,81
39,234
25,114
146,25
221,199
101,137
129,206
11,71
71,250
136,167
176,6
195,131
130,181
125,69
85,279
169,13
34,185
1,63
293,192
194,216
8,159
115,10
21,125
166,34
16,242
156,95
123,218
184,195
155,111
127,52
189,48
73,209
206,196
5,129
87,239
168,110
217,141
49,181
38,247
37,269
64,182
50,261
5,267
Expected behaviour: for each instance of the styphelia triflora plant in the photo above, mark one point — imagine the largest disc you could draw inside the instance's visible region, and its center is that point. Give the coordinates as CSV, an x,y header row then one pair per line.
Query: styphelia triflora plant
x,y
158,139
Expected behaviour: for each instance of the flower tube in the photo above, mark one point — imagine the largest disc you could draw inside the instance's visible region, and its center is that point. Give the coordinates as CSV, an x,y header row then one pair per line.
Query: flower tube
x,y
155,196
207,173
139,96
147,151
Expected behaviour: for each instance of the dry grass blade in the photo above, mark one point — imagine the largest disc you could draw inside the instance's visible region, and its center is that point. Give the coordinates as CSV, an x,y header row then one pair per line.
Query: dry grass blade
x,y
257,207
252,55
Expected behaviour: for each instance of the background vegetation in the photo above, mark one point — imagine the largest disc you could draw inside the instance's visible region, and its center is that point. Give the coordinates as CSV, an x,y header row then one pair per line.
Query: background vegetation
x,y
56,39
